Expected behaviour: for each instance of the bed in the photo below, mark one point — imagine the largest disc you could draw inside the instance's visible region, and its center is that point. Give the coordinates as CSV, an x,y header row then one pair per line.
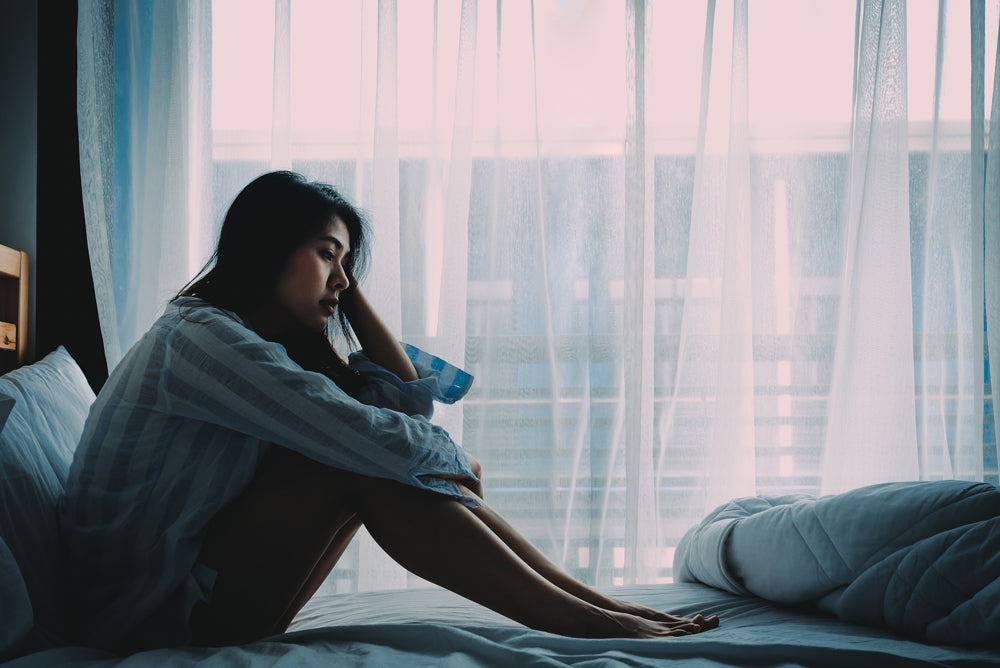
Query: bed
x,y
42,409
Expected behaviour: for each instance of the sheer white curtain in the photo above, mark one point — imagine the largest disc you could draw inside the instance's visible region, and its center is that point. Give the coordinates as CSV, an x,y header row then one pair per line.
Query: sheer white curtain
x,y
690,251
145,154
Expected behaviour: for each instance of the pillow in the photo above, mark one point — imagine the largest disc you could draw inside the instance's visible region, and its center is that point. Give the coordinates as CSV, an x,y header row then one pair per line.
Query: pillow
x,y
51,402
15,605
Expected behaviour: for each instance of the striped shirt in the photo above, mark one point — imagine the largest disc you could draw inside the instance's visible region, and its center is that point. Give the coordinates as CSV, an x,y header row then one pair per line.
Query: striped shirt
x,y
178,431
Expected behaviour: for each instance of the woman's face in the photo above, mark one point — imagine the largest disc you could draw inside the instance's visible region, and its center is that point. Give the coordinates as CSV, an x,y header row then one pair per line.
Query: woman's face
x,y
309,288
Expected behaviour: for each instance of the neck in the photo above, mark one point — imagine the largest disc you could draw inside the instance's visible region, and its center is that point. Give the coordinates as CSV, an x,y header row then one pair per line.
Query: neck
x,y
274,323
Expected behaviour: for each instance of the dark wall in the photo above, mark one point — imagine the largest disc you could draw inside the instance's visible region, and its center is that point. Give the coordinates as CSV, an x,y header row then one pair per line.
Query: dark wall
x,y
66,312
18,133
41,210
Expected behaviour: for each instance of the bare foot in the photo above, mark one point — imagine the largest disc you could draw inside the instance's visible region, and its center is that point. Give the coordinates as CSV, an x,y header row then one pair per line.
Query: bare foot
x,y
636,610
705,623
612,624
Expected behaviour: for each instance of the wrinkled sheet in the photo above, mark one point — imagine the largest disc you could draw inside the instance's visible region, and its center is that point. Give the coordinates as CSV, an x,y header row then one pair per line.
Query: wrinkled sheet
x,y
922,558
433,627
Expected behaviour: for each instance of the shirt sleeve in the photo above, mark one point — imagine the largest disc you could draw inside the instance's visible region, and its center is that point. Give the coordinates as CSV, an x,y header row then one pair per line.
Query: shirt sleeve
x,y
219,371
438,381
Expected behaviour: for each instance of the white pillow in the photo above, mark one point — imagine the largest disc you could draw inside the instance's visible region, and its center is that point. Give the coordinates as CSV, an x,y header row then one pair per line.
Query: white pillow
x,y
51,403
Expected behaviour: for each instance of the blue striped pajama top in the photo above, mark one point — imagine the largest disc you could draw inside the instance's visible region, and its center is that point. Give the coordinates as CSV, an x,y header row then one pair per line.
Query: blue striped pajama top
x,y
178,431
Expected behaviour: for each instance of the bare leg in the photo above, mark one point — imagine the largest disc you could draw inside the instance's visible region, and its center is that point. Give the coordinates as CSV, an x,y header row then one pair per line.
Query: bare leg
x,y
323,568
282,535
443,541
551,572
280,538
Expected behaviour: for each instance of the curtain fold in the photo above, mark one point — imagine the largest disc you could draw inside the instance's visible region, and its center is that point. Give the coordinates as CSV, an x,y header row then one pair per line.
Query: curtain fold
x,y
732,446
991,253
143,121
95,90
688,254
638,358
871,432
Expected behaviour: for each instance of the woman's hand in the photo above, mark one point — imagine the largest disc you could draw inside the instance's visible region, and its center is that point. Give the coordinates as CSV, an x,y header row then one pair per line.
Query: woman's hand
x,y
352,286
466,484
379,344
477,470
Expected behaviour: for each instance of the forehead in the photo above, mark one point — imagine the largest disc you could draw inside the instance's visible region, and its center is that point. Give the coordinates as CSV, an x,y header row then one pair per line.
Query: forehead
x,y
336,229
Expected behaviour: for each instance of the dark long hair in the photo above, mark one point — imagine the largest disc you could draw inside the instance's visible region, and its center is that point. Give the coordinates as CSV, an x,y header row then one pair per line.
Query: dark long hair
x,y
272,217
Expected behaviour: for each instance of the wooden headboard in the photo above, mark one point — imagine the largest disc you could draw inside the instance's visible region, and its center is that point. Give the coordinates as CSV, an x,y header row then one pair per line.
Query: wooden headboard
x,y
13,308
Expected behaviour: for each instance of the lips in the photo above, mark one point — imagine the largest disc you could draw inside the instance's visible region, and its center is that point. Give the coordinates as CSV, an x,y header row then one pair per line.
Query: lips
x,y
330,305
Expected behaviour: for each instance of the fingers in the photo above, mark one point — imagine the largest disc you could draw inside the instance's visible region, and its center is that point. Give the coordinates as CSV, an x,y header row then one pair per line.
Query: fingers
x,y
474,466
470,487
477,470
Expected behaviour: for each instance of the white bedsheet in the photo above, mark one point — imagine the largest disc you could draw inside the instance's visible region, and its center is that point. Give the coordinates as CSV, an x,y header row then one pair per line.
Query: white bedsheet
x,y
433,627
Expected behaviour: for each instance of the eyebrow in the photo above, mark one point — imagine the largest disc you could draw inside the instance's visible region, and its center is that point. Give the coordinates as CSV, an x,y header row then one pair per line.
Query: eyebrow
x,y
334,240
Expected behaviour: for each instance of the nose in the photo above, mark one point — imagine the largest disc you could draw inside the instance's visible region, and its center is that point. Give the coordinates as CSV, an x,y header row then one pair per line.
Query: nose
x,y
338,278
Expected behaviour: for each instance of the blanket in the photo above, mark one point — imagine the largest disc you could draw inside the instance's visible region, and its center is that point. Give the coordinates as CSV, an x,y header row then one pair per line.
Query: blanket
x,y
922,558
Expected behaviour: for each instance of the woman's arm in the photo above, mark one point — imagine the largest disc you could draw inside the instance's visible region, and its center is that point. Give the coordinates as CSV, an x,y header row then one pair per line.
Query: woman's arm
x,y
378,343
217,370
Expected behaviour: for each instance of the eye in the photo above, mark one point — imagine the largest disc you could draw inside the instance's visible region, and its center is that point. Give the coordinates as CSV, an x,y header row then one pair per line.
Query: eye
x,y
327,255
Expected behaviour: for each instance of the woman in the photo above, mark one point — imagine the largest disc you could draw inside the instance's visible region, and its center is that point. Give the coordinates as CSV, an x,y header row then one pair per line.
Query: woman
x,y
232,455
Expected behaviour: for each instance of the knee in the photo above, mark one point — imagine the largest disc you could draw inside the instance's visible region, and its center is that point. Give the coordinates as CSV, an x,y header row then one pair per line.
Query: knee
x,y
475,466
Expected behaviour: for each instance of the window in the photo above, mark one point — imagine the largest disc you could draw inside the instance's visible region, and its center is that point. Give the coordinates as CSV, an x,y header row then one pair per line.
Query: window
x,y
545,416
